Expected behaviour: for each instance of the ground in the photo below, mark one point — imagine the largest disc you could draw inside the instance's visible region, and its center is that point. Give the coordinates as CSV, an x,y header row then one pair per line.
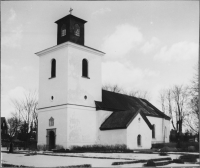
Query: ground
x,y
94,159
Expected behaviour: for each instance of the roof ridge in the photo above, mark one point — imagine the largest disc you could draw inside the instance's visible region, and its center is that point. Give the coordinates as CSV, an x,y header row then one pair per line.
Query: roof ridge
x,y
121,94
157,110
110,122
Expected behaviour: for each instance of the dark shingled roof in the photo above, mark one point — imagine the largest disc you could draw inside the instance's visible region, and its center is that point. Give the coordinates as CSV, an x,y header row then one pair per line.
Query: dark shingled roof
x,y
125,108
122,119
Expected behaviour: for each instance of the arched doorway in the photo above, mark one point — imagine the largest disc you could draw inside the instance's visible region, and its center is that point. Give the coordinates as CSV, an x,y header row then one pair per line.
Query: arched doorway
x,y
51,140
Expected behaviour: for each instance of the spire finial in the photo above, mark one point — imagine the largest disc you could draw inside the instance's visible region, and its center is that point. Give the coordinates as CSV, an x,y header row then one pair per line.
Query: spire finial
x,y
70,11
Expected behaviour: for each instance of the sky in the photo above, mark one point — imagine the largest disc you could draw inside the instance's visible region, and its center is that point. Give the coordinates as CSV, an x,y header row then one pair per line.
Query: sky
x,y
149,45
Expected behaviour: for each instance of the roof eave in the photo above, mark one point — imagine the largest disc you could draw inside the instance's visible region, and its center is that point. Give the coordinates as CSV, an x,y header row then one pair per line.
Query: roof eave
x,y
115,128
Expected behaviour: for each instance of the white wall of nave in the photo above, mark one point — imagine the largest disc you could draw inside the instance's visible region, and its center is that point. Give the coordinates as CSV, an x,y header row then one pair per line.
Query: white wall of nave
x,y
139,127
160,124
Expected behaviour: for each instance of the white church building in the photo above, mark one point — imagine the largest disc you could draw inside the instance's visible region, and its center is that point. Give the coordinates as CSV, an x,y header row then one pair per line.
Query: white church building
x,y
74,110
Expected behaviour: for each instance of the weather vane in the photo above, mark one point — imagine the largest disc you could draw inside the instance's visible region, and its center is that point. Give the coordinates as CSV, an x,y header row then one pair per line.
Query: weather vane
x,y
70,11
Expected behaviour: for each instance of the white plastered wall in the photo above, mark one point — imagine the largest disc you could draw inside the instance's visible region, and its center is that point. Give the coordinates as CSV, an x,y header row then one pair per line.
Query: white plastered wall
x,y
79,86
102,115
135,128
160,124
113,137
81,123
56,87
109,137
69,86
60,124
167,133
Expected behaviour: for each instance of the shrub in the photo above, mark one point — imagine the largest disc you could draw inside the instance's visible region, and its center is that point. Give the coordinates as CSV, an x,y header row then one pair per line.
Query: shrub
x,y
173,149
189,158
85,165
191,149
177,161
163,154
168,149
161,145
101,148
41,147
185,145
150,163
58,147
165,149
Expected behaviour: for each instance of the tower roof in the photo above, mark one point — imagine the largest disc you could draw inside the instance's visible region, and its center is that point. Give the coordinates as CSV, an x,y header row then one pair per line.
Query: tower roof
x,y
68,17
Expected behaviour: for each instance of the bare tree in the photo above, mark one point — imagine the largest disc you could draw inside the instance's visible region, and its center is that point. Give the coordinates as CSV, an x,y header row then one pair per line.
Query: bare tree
x,y
174,101
25,109
139,94
167,103
113,88
193,118
13,128
170,107
180,97
117,89
163,100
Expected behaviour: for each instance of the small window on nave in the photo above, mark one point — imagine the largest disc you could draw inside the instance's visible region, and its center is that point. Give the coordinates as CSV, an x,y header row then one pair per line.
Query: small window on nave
x,y
139,138
153,131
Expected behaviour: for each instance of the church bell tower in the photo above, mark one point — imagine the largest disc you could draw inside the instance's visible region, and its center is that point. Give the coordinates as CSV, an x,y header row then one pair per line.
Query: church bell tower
x,y
70,72
70,28
69,85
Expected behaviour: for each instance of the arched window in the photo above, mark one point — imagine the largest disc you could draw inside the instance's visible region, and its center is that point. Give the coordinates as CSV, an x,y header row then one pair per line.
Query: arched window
x,y
77,30
51,121
53,68
84,68
63,30
139,140
153,131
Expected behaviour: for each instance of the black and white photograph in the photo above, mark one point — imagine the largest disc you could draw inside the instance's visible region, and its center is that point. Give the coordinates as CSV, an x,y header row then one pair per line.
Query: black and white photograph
x,y
100,84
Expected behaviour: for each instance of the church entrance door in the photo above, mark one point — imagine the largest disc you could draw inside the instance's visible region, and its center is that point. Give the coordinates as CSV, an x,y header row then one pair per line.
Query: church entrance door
x,y
51,140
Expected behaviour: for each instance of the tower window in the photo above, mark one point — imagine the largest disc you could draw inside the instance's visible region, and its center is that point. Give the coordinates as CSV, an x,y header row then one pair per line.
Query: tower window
x,y
76,30
53,68
63,30
85,68
153,131
139,140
